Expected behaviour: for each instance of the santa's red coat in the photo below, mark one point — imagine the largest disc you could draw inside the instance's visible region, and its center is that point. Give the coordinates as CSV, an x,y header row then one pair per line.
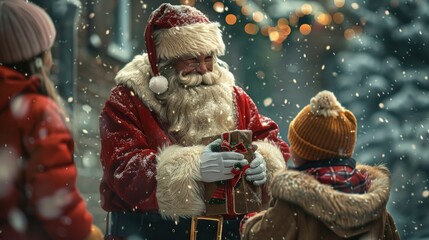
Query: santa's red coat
x,y
131,137
145,170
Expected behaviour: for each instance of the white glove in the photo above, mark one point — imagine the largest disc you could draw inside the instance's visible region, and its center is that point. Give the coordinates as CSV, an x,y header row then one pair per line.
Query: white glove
x,y
257,172
217,166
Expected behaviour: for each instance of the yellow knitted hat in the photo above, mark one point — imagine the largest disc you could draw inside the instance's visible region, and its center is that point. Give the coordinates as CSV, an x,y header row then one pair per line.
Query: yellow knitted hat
x,y
323,129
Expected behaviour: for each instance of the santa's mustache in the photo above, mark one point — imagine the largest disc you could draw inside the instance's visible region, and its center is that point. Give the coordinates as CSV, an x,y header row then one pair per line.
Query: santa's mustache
x,y
220,75
196,79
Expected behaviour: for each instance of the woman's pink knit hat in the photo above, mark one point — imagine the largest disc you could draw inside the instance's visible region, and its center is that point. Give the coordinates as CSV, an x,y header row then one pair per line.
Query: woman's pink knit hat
x,y
26,31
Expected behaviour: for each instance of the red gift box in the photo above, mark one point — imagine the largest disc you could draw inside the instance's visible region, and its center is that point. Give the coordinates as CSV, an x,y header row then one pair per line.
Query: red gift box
x,y
235,196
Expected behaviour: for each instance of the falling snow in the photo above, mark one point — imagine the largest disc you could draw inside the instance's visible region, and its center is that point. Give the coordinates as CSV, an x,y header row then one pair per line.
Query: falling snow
x,y
374,56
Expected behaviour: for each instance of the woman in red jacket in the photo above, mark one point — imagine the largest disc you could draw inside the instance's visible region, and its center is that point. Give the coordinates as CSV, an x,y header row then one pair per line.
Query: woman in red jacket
x,y
38,194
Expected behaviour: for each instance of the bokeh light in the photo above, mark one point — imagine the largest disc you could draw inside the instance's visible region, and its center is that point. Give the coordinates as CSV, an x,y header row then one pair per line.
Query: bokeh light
x,y
260,74
251,28
188,2
264,30
230,19
349,33
268,101
286,30
338,18
339,3
274,36
219,7
258,16
306,9
305,29
240,2
324,19
246,10
357,29
282,22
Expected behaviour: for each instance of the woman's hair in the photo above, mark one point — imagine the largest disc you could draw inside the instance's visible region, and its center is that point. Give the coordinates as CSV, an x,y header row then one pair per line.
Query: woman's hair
x,y
36,67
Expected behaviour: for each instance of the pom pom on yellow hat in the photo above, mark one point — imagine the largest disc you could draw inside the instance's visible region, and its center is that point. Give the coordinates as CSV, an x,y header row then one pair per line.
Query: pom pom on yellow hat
x,y
323,129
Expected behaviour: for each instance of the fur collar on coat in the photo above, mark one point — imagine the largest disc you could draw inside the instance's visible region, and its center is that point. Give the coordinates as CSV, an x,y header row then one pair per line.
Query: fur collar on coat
x,y
334,208
303,208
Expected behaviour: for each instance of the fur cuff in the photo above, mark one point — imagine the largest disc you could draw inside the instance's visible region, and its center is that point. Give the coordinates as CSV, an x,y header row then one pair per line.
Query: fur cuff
x,y
178,192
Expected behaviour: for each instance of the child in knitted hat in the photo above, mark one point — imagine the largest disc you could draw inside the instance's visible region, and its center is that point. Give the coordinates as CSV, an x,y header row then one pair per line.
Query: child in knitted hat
x,y
38,194
327,195
323,137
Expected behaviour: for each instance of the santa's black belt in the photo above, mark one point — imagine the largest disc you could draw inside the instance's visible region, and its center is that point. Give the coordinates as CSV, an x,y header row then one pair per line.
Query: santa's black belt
x,y
152,226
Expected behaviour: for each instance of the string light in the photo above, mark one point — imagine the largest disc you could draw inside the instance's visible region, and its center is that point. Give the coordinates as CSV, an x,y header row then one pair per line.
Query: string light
x,y
280,32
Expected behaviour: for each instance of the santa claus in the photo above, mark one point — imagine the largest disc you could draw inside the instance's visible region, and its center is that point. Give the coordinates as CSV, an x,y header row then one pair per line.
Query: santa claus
x,y
151,127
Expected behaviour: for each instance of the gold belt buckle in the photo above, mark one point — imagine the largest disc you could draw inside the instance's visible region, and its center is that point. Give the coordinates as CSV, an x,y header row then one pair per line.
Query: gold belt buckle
x,y
195,219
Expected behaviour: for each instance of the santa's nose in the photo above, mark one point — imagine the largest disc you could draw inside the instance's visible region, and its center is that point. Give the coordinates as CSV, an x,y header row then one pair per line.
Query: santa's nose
x,y
202,68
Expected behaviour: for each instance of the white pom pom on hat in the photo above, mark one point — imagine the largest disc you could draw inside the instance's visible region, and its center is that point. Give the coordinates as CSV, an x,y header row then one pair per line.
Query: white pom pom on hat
x,y
325,104
171,33
158,84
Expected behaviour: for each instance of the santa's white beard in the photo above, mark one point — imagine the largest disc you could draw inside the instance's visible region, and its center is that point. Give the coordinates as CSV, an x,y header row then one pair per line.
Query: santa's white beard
x,y
197,106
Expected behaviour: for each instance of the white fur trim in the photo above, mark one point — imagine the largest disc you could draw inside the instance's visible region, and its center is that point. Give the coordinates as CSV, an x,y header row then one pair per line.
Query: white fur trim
x,y
273,158
332,207
158,84
136,75
179,193
199,38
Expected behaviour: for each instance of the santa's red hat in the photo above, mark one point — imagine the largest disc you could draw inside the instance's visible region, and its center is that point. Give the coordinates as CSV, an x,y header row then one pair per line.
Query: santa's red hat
x,y
174,31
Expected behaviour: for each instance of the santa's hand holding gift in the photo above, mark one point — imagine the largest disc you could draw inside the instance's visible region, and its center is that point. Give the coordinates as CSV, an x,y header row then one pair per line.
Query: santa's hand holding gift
x,y
166,101
218,166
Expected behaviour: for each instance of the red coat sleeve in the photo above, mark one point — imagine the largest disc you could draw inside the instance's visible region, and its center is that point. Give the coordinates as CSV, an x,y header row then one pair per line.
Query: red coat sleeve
x,y
263,127
50,173
127,154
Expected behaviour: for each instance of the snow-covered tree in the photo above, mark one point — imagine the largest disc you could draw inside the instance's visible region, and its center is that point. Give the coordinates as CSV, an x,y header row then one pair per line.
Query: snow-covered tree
x,y
383,77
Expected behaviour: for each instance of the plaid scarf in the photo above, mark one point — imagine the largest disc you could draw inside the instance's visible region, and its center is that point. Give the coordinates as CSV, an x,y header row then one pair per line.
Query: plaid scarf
x,y
340,173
